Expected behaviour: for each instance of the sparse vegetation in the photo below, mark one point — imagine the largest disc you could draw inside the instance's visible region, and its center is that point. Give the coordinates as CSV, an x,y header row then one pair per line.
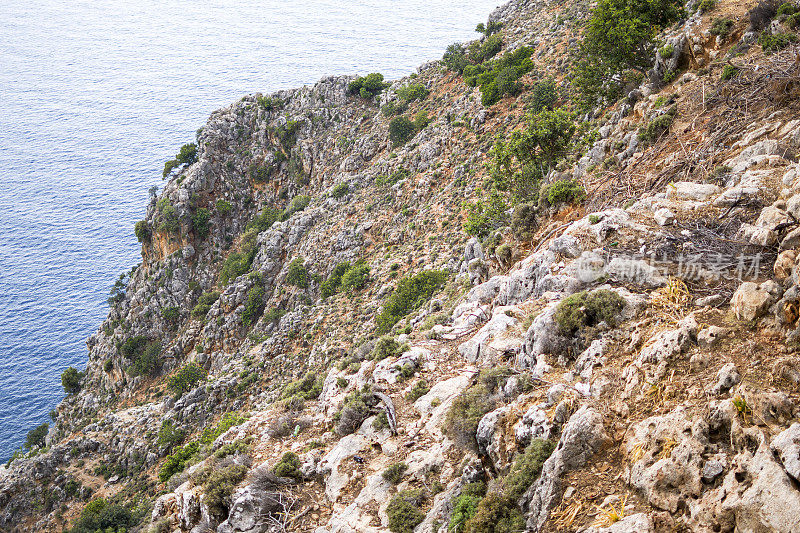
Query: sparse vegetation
x,y
587,309
186,378
394,472
410,294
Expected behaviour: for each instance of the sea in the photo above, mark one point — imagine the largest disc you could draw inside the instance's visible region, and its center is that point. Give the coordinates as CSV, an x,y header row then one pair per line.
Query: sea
x,y
96,94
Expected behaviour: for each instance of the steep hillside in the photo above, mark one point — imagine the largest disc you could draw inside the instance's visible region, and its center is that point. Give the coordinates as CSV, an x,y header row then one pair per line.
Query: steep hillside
x,y
548,283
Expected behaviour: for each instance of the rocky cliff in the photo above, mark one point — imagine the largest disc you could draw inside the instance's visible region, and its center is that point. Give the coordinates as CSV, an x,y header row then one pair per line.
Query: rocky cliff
x,y
335,329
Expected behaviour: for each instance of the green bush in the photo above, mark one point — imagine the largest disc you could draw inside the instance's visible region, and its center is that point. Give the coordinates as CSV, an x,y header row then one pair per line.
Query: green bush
x,y
142,231
229,420
587,309
401,130
496,513
235,265
182,457
368,86
480,51
299,203
200,219
411,92
297,273
527,467
288,466
461,423
499,77
666,51
403,511
254,306
421,120
264,220
218,485
658,126
144,354
394,472
563,192
419,390
619,38
543,96
223,207
269,103
410,293
171,313
204,303
353,413
169,436
331,286
524,221
706,5
36,436
391,109
455,58
340,190
309,387
465,505
355,278
71,380
186,378
787,8
186,156
99,515
485,216
773,43
722,27
729,72
168,216
387,347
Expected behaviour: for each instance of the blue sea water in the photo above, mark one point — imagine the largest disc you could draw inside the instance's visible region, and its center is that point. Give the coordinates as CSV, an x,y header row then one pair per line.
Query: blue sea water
x,y
96,95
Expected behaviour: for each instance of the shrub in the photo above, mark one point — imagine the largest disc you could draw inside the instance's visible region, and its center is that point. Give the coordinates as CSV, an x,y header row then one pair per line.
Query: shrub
x,y
171,313
355,277
235,265
219,484
71,380
587,309
485,50
465,505
331,286
524,220
419,390
269,103
666,51
200,219
619,38
403,511
299,203
484,216
308,387
763,13
394,472
401,130
421,120
563,192
186,156
722,27
168,216
496,513
142,231
186,378
466,411
367,86
454,58
775,42
729,72
527,467
658,126
411,92
354,411
288,466
387,347
787,8
204,304
297,274
340,190
36,436
254,306
144,354
99,515
543,95
706,5
229,420
264,220
223,207
499,77
178,461
169,436
410,294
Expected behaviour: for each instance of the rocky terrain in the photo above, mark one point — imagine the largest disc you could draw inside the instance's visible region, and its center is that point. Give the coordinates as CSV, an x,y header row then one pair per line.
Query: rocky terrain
x,y
324,335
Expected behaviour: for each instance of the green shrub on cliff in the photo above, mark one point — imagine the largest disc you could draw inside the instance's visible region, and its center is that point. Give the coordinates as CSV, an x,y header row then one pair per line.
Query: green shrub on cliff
x,y
200,219
409,295
288,466
404,512
142,231
499,77
254,305
368,86
182,457
186,378
587,309
144,355
401,130
204,304
455,58
36,436
411,92
297,274
100,515
186,156
71,380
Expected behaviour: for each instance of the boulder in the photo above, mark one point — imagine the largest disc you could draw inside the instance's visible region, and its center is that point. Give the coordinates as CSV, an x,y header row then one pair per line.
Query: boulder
x,y
750,301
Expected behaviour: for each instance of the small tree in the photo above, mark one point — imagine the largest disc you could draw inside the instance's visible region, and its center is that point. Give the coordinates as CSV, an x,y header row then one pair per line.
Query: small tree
x,y
36,436
71,380
401,130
